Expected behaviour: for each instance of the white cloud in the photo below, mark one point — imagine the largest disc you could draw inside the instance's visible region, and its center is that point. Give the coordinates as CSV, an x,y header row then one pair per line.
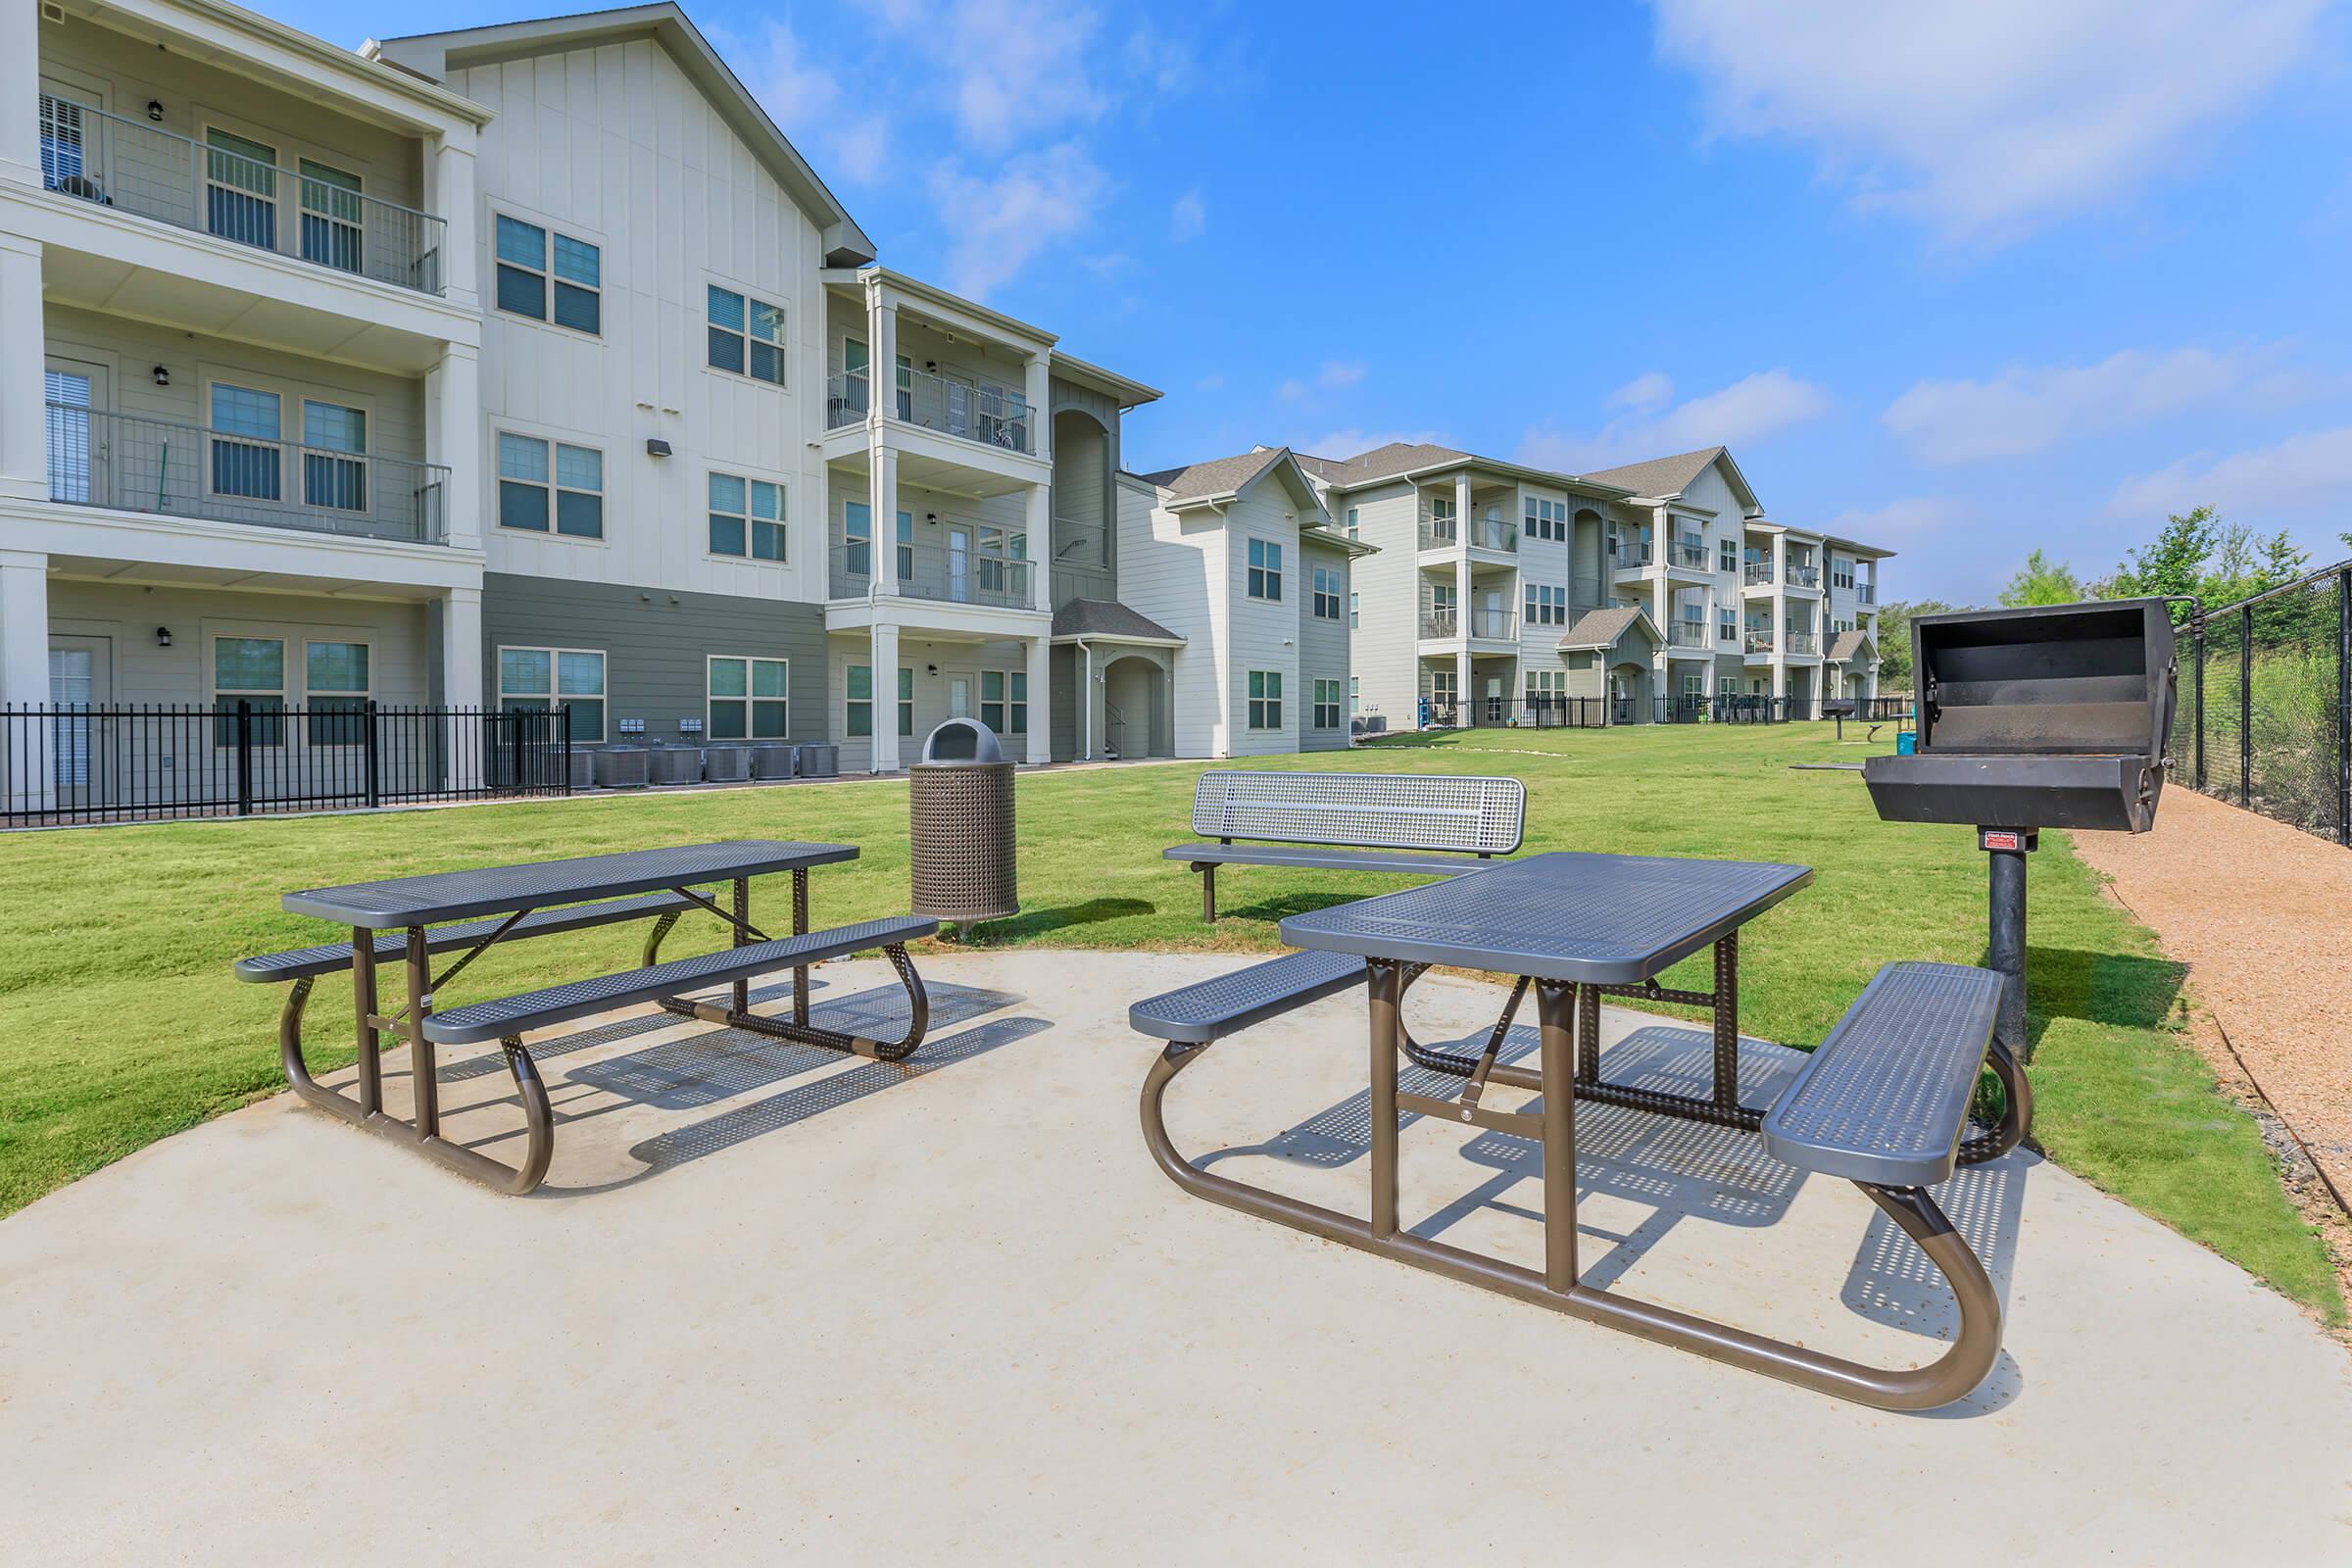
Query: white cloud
x,y
1352,442
1186,217
862,147
804,100
1643,391
1169,65
996,223
1209,384
1910,517
2031,408
1746,411
1339,372
2270,487
1990,117
1015,67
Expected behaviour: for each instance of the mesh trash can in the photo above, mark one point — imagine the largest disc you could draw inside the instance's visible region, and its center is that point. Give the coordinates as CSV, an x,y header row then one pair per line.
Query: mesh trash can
x,y
775,762
961,830
620,768
674,764
727,764
820,760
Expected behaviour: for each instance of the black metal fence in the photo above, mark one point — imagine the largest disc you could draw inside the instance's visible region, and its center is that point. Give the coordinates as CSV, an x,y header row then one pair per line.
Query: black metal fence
x,y
1596,712
2264,715
70,765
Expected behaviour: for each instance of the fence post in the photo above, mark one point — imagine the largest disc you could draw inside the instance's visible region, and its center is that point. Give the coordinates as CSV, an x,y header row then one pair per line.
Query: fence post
x,y
2343,707
563,717
2198,631
244,757
375,777
2245,707
516,746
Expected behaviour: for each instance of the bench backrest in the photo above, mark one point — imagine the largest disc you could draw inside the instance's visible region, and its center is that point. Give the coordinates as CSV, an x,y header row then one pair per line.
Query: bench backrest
x,y
1366,810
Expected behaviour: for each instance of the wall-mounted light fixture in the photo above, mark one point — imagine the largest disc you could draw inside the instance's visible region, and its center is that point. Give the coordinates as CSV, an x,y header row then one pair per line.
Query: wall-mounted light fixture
x,y
655,447
154,111
930,670
163,636
162,374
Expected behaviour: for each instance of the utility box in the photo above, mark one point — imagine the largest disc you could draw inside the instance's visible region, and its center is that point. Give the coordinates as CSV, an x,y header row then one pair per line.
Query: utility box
x,y
960,826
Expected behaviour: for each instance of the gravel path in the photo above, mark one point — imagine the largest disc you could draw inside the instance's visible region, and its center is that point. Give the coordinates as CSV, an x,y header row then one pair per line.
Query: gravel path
x,y
2262,916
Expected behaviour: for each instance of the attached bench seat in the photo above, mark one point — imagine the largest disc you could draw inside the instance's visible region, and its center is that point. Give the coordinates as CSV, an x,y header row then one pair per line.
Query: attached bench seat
x,y
579,999
1209,1010
1316,857
333,957
1883,1099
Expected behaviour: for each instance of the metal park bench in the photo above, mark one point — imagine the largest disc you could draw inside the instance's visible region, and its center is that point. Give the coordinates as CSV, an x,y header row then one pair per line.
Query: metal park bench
x,y
1413,825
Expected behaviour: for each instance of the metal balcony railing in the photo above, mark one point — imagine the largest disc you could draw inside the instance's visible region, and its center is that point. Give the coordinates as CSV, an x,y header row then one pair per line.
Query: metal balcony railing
x,y
1488,533
1439,533
936,572
1804,576
1760,571
1866,593
1687,634
1805,644
1756,642
1629,554
1690,556
988,415
1440,624
184,470
310,213
1499,623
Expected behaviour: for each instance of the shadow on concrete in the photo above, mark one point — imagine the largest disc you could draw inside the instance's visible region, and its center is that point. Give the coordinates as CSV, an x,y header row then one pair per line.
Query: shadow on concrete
x,y
1283,906
606,1034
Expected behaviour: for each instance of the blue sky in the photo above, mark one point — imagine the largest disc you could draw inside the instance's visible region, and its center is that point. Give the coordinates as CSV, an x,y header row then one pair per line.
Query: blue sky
x,y
1959,279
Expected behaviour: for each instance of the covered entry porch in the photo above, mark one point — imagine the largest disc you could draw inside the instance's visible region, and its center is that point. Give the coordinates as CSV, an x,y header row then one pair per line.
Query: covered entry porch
x,y
1115,683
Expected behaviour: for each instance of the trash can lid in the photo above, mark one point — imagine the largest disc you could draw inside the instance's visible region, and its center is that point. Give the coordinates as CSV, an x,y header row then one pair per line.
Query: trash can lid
x,y
965,741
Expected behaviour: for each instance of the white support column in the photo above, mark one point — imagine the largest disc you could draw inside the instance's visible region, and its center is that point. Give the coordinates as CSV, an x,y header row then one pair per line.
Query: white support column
x,y
26,777
21,93
453,438
882,370
461,687
1041,547
1041,702
1034,392
885,699
23,420
1463,692
882,496
449,195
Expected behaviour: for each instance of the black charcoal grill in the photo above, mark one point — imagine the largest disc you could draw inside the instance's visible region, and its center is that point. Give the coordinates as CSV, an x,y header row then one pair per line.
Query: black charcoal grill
x,y
2050,717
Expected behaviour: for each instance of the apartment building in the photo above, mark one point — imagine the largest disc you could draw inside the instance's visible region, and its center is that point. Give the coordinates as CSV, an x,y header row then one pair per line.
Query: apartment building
x,y
520,366
1656,586
1238,559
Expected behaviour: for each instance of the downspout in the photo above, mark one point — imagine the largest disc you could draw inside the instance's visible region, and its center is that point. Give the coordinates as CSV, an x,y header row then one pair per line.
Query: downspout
x,y
1086,701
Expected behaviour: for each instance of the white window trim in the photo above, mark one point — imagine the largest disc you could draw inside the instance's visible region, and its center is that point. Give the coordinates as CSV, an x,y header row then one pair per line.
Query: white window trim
x,y
749,478
216,699
1272,572
980,700
749,698
499,693
490,264
1315,705
1249,718
751,296
535,433
290,395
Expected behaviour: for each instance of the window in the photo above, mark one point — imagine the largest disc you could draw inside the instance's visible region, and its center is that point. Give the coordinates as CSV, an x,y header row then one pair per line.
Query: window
x,y
1694,686
1004,701
1003,554
525,481
748,698
1265,699
1352,523
1727,623
858,712
335,682
63,145
1727,554
1726,686
1355,700
338,483
856,539
1547,688
1545,606
331,217
1356,610
747,517
906,702
246,466
533,264
747,336
1841,573
534,680
1265,570
250,670
241,190
1327,594
906,547
1327,705
1546,520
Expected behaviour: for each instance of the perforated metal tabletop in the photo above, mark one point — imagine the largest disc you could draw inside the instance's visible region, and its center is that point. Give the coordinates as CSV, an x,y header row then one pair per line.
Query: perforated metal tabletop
x,y
1596,919
502,889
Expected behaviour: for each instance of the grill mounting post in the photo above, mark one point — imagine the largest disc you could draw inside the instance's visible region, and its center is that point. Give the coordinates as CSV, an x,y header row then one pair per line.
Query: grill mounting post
x,y
2006,848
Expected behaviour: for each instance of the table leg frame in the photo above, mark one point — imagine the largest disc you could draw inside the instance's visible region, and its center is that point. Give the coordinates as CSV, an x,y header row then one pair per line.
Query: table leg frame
x,y
733,1017
1958,1371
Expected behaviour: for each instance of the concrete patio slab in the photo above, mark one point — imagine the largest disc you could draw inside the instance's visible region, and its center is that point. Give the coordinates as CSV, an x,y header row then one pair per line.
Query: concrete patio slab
x,y
773,1304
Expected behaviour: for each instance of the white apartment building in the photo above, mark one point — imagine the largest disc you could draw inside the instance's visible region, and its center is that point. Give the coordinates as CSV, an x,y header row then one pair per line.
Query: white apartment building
x,y
1657,586
520,365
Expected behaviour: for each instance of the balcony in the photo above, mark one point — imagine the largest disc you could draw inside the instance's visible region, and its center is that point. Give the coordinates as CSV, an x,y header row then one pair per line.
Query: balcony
x,y
1758,572
1756,641
1439,625
1687,634
1629,555
1493,534
308,214
1689,556
1804,645
1866,593
934,573
1439,533
988,415
128,464
1804,576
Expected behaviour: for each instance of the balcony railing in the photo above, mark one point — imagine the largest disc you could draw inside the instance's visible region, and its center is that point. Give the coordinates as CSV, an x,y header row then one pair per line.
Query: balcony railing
x,y
1439,533
1866,593
183,471
1760,571
310,213
1687,634
1805,644
1494,623
990,416
1441,624
1630,553
1690,556
936,573
1488,533
1756,642
1804,576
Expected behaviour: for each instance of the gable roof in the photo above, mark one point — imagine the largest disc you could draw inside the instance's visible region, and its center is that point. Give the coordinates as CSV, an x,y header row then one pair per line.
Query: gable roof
x,y
1601,629
1668,477
433,55
1400,459
1847,644
1222,480
1107,617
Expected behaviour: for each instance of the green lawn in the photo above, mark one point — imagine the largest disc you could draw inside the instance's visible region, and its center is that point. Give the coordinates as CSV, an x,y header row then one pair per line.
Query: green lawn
x,y
119,1022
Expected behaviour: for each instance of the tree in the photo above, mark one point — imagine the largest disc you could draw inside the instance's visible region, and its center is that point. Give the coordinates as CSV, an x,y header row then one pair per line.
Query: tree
x,y
1893,635
2042,581
2173,565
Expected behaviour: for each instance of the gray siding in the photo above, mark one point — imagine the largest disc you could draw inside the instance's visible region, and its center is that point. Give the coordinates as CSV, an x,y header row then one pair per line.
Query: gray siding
x,y
1085,494
656,644
1322,648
